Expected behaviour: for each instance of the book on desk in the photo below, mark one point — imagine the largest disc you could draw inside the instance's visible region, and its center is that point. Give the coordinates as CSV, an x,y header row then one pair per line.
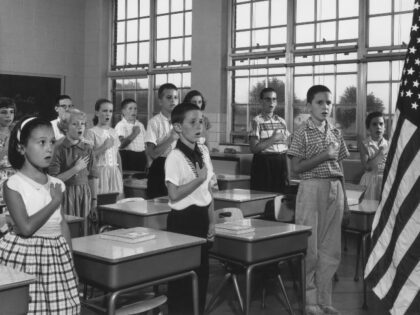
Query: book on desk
x,y
234,227
127,236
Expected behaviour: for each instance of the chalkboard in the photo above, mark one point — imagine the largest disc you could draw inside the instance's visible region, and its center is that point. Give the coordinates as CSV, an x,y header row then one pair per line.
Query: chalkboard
x,y
32,94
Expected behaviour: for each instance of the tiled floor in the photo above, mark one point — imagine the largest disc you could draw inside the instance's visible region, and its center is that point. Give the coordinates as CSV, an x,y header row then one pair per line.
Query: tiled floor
x,y
347,295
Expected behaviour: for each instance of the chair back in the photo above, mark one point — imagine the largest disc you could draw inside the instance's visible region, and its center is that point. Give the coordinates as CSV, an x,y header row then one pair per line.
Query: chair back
x,y
228,214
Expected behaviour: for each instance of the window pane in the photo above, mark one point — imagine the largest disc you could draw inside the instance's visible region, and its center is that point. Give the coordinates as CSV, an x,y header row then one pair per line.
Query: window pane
x,y
305,33
177,5
348,29
176,49
120,32
326,31
326,9
345,110
144,8
377,97
260,14
302,84
379,31
188,23
402,27
379,6
278,35
278,12
304,10
162,26
129,84
347,67
162,51
120,9
397,67
403,5
347,8
132,31
378,71
144,53
175,78
394,98
144,29
120,55
260,38
142,84
243,16
177,24
187,48
132,9
188,4
242,39
132,54
241,90
186,79
327,80
239,113
162,6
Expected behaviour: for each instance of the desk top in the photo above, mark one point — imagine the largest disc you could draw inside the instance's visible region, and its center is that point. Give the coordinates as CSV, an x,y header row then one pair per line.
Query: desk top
x,y
232,178
72,218
242,195
11,278
111,251
353,193
136,183
141,208
367,207
266,230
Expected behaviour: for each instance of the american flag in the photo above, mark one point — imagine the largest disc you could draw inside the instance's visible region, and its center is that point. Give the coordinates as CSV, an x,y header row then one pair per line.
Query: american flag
x,y
393,267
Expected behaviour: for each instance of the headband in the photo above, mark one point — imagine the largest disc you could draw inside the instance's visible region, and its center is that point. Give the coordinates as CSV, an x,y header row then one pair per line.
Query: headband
x,y
22,125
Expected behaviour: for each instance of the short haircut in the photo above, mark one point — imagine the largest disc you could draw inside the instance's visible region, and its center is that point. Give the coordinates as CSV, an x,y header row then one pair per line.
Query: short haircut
x,y
370,117
166,86
98,105
266,90
20,135
61,97
7,102
191,94
63,124
314,90
127,101
179,112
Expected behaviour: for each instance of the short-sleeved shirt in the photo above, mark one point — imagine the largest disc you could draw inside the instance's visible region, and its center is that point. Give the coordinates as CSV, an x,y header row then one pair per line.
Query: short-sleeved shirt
x,y
125,128
158,129
308,141
263,127
65,156
97,136
57,133
36,196
179,170
372,148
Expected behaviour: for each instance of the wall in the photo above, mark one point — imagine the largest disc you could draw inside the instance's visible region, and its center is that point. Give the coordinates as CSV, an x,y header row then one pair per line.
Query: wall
x,y
44,37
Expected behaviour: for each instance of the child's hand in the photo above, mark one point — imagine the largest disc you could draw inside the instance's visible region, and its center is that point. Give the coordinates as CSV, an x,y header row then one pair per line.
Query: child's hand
x,y
81,163
174,135
109,142
135,131
279,135
202,172
381,154
332,151
56,193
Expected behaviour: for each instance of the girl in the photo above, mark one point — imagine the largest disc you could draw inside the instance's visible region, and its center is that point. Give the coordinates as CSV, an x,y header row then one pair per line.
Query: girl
x,y
39,243
373,151
196,98
73,162
105,147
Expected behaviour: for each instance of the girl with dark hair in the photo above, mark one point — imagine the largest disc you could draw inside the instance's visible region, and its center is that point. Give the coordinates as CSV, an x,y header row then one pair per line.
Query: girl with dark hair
x,y
195,97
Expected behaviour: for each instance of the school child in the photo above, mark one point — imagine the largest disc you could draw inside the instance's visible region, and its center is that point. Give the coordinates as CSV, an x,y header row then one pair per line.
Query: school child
x,y
131,133
62,104
317,150
160,140
189,176
105,147
195,97
39,243
7,115
268,141
74,163
373,151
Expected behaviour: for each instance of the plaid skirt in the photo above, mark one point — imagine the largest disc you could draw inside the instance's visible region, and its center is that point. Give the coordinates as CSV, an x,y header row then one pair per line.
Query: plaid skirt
x,y
50,260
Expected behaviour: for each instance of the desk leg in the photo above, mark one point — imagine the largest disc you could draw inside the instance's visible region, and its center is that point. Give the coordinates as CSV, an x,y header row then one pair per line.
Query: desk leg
x,y
194,281
303,282
112,302
364,249
248,289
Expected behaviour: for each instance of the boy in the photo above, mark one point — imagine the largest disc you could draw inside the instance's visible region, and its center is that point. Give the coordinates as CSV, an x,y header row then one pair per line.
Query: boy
x,y
160,139
131,133
268,142
189,177
317,150
62,104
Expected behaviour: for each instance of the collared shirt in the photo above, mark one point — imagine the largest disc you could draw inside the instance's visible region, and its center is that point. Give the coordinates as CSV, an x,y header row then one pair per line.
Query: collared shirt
x,y
263,127
124,128
372,148
158,129
57,133
308,141
180,170
65,156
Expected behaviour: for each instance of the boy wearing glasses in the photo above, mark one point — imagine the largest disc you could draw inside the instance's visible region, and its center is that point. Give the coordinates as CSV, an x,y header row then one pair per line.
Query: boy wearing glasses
x,y
268,141
62,104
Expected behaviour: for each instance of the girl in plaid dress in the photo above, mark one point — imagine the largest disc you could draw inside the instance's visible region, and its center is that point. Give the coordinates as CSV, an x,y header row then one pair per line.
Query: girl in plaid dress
x,y
39,241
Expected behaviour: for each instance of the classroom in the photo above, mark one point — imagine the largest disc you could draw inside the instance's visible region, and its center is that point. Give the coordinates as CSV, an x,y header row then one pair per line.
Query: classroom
x,y
209,157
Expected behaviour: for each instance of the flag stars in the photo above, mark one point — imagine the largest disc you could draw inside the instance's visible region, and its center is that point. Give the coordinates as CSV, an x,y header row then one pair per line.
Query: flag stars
x,y
409,93
416,6
412,50
402,94
410,71
405,81
416,83
414,105
417,61
415,27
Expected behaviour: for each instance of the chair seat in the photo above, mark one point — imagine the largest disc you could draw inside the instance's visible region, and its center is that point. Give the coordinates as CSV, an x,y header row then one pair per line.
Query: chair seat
x,y
142,306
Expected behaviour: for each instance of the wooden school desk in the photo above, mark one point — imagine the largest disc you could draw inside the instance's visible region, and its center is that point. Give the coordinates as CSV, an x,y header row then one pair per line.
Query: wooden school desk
x,y
14,291
227,181
135,187
76,225
251,202
147,213
271,243
118,267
